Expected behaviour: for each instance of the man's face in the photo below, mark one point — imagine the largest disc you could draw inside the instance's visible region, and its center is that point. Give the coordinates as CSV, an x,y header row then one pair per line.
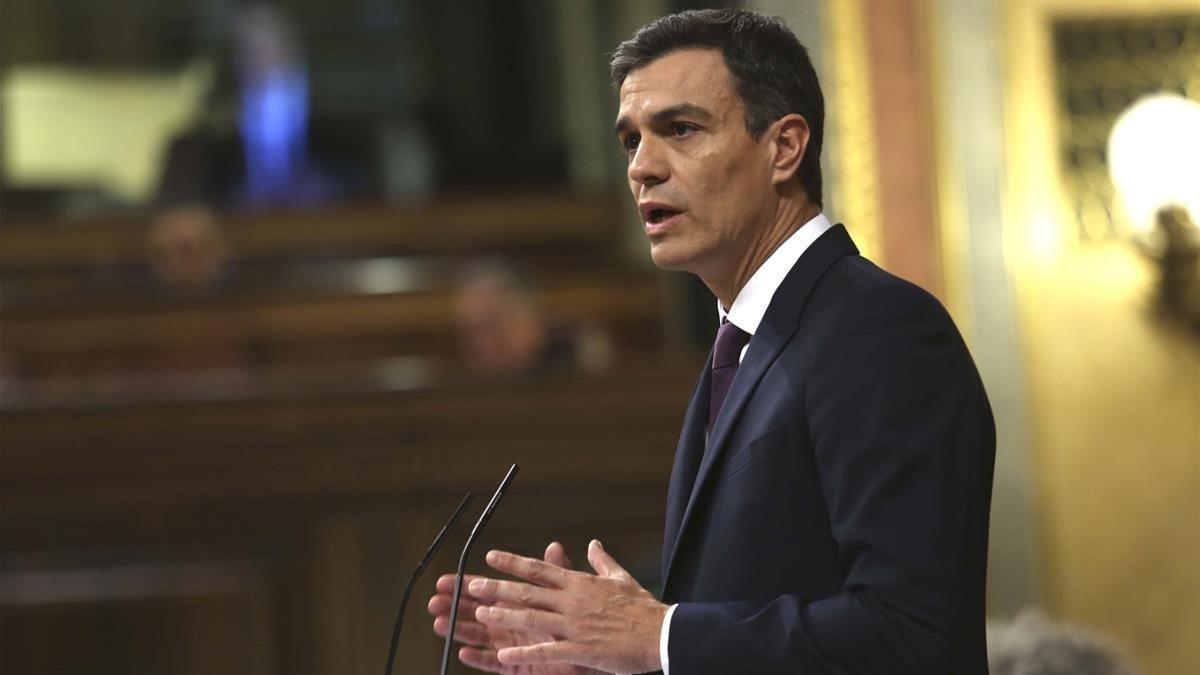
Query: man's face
x,y
702,184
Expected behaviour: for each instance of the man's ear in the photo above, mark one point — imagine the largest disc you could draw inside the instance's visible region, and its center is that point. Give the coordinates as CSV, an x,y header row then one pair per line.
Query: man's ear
x,y
789,142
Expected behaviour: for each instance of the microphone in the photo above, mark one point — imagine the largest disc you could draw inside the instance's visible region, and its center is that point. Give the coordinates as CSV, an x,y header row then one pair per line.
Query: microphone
x,y
462,561
433,549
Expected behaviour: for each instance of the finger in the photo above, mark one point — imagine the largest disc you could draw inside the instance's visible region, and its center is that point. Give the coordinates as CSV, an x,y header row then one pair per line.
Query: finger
x,y
603,563
529,569
545,652
522,620
466,632
439,605
445,583
480,659
556,555
515,592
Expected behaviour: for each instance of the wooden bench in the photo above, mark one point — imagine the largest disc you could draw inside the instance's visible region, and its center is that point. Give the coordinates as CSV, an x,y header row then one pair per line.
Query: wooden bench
x,y
471,223
263,329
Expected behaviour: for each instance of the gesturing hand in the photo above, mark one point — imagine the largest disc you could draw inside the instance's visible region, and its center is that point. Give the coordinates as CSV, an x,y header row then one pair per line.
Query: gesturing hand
x,y
604,620
484,641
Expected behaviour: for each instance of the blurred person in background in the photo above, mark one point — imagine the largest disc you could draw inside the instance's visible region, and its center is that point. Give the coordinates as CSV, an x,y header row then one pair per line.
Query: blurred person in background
x,y
1032,645
186,250
273,111
503,330
828,506
249,144
188,254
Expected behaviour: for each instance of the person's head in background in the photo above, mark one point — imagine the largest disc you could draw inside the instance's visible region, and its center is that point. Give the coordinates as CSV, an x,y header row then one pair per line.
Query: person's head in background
x,y
185,249
266,41
501,329
1033,645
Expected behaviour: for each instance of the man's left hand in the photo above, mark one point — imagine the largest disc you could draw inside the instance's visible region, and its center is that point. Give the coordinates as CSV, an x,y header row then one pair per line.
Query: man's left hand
x,y
604,620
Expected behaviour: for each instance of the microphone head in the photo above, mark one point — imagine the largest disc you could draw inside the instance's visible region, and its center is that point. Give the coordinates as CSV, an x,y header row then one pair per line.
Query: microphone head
x,y
462,561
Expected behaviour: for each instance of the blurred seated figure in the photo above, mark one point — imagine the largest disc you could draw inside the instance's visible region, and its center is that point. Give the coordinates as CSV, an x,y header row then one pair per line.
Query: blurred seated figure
x,y
502,330
1033,645
186,250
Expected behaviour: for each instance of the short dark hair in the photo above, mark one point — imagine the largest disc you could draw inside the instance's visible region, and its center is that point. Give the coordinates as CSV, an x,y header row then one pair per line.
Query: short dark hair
x,y
771,70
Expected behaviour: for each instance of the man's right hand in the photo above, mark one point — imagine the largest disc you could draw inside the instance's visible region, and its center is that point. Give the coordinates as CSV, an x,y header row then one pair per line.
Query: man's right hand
x,y
482,642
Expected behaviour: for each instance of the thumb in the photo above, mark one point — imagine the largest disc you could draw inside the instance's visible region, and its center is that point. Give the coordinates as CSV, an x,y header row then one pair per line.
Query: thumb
x,y
603,563
557,555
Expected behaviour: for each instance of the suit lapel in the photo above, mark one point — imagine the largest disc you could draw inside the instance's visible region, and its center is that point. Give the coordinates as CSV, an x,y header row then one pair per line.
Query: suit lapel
x,y
779,323
687,458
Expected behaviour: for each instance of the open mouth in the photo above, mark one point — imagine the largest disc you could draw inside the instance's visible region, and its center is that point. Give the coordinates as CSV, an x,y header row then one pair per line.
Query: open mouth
x,y
659,215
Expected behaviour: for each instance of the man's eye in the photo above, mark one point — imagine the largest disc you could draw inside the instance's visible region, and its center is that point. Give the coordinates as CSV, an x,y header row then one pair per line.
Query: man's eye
x,y
630,142
681,129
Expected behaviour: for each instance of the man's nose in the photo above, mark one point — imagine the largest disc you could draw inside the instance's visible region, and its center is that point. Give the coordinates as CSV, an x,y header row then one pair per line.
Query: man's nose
x,y
648,166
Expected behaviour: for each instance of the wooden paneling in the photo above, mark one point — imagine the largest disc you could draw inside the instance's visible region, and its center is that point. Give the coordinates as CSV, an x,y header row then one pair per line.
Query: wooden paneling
x,y
273,534
166,618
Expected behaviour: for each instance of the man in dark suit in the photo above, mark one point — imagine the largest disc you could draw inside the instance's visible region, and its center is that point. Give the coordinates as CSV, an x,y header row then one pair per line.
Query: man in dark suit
x,y
828,506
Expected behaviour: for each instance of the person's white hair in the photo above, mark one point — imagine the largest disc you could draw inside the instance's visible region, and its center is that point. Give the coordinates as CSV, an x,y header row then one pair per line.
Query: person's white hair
x,y
1033,645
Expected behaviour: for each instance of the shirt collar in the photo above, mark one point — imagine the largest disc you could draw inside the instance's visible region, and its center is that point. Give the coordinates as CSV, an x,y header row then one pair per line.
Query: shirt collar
x,y
751,302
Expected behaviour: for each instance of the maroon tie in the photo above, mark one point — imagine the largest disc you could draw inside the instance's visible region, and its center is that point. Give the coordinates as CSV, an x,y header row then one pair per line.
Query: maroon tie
x,y
726,355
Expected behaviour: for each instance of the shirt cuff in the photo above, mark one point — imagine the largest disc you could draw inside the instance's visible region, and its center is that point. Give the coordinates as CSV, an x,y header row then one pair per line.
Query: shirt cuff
x,y
662,640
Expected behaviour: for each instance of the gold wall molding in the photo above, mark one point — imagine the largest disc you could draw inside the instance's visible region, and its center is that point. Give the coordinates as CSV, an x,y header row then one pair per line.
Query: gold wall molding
x,y
855,188
908,219
969,147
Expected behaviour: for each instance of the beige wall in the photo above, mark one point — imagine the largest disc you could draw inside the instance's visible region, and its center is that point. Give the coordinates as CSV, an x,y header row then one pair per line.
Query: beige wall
x,y
1114,398
111,129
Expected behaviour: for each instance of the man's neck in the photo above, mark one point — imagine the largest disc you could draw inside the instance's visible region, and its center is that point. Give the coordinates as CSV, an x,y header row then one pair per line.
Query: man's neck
x,y
789,217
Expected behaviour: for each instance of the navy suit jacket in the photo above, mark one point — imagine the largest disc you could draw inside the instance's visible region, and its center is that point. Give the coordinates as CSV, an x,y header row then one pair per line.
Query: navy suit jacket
x,y
837,519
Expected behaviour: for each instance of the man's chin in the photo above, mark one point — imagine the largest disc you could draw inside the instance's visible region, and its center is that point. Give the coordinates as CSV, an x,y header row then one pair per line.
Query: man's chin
x,y
669,258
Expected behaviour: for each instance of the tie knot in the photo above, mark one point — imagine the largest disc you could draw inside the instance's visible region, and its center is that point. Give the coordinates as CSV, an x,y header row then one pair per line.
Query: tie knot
x,y
728,349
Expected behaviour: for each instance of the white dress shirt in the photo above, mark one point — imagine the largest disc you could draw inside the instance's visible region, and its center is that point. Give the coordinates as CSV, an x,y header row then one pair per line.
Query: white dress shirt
x,y
746,313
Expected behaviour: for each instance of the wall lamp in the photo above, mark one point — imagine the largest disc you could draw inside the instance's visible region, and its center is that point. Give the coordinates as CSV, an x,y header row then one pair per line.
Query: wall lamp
x,y
1154,159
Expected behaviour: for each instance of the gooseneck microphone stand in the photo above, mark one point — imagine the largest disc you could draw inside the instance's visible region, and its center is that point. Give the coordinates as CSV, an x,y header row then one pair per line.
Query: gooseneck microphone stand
x,y
412,581
462,562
